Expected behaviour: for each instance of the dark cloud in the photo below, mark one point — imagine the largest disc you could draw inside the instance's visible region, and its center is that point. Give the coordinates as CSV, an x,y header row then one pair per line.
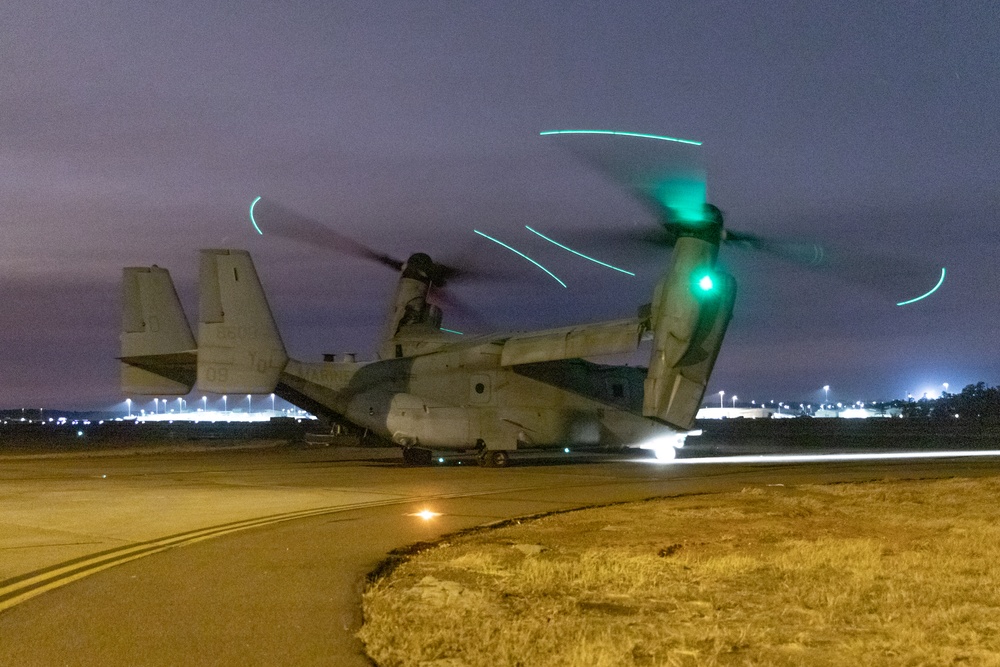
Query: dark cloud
x,y
137,133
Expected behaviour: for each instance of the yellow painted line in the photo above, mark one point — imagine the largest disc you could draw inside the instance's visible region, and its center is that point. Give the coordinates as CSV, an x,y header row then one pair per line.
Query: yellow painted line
x,y
23,587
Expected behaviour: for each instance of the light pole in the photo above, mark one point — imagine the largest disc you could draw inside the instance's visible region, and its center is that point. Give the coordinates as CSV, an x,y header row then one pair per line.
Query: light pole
x,y
156,405
180,405
249,405
272,401
204,403
826,393
946,387
224,403
722,395
734,402
128,402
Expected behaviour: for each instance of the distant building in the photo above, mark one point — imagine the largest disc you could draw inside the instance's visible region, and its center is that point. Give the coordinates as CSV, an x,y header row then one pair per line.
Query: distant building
x,y
220,416
739,413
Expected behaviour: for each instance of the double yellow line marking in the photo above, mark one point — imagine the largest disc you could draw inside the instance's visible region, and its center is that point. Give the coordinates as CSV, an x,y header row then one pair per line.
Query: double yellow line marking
x,y
26,586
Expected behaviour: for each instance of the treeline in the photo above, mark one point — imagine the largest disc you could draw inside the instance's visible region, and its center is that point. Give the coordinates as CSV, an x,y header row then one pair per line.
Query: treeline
x,y
976,402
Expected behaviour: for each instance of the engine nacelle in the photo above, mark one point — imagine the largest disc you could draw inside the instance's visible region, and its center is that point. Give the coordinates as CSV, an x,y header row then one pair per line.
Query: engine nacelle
x,y
691,310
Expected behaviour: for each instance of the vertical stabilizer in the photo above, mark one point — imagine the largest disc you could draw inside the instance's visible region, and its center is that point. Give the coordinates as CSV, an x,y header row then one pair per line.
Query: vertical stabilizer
x,y
239,347
157,348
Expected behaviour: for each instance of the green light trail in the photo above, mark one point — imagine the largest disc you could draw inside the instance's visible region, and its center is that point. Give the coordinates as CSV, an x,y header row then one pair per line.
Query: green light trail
x,y
596,261
622,134
451,331
518,252
924,296
254,222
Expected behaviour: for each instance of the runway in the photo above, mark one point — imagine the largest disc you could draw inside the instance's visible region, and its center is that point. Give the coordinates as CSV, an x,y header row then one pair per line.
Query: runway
x,y
258,557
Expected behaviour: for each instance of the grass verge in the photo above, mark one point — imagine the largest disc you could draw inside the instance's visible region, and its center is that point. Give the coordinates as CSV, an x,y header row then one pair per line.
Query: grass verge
x,y
901,573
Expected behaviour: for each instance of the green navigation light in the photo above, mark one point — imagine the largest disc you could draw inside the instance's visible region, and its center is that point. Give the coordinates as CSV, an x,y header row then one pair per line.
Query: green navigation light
x,y
595,261
924,296
252,221
622,134
706,283
518,252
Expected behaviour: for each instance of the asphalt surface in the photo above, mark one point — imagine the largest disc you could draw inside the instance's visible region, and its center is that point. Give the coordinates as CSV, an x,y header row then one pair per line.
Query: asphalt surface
x,y
259,557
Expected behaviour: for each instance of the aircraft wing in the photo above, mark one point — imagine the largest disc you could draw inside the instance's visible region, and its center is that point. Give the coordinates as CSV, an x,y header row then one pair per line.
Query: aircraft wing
x,y
584,340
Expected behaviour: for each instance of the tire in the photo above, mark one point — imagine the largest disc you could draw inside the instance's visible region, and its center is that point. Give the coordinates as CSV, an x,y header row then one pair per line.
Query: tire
x,y
496,458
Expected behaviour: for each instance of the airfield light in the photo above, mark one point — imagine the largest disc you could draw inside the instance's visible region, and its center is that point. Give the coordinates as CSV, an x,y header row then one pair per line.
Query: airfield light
x,y
204,403
826,393
721,396
440,459
252,221
223,402
180,404
249,404
566,450
128,402
426,514
272,402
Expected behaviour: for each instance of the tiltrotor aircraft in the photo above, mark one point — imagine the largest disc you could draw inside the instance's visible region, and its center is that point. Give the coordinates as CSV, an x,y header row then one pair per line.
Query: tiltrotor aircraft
x,y
429,390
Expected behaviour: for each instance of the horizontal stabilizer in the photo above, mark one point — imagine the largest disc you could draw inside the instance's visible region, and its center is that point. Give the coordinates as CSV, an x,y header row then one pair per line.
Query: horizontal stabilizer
x,y
239,348
157,348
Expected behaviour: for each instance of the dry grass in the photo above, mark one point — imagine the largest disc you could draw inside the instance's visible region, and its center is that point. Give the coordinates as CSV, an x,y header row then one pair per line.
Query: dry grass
x,y
901,573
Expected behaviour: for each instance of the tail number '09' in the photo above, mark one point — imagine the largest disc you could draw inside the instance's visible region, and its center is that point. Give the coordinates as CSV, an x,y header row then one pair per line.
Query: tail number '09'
x,y
231,333
216,373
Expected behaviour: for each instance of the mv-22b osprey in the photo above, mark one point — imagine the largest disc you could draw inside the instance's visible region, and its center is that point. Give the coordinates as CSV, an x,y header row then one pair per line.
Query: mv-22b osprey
x,y
429,390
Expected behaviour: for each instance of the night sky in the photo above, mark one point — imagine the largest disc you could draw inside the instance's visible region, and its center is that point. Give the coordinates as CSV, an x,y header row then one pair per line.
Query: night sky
x,y
137,133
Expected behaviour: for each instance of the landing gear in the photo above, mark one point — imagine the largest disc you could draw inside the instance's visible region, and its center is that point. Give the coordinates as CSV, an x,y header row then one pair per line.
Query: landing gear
x,y
416,456
494,458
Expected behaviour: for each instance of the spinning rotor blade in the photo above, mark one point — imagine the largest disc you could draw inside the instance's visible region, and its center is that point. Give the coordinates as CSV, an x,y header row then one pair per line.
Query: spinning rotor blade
x,y
665,173
276,220
288,224
811,255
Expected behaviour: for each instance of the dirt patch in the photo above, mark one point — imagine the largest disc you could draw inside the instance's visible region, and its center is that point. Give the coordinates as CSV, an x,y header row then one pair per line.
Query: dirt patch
x,y
851,574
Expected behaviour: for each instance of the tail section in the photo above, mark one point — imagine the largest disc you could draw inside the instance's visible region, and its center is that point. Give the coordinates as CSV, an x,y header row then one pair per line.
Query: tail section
x,y
157,348
691,311
239,347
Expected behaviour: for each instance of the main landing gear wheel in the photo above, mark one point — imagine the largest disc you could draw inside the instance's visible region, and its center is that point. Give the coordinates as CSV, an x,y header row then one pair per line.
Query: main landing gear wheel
x,y
416,456
496,458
